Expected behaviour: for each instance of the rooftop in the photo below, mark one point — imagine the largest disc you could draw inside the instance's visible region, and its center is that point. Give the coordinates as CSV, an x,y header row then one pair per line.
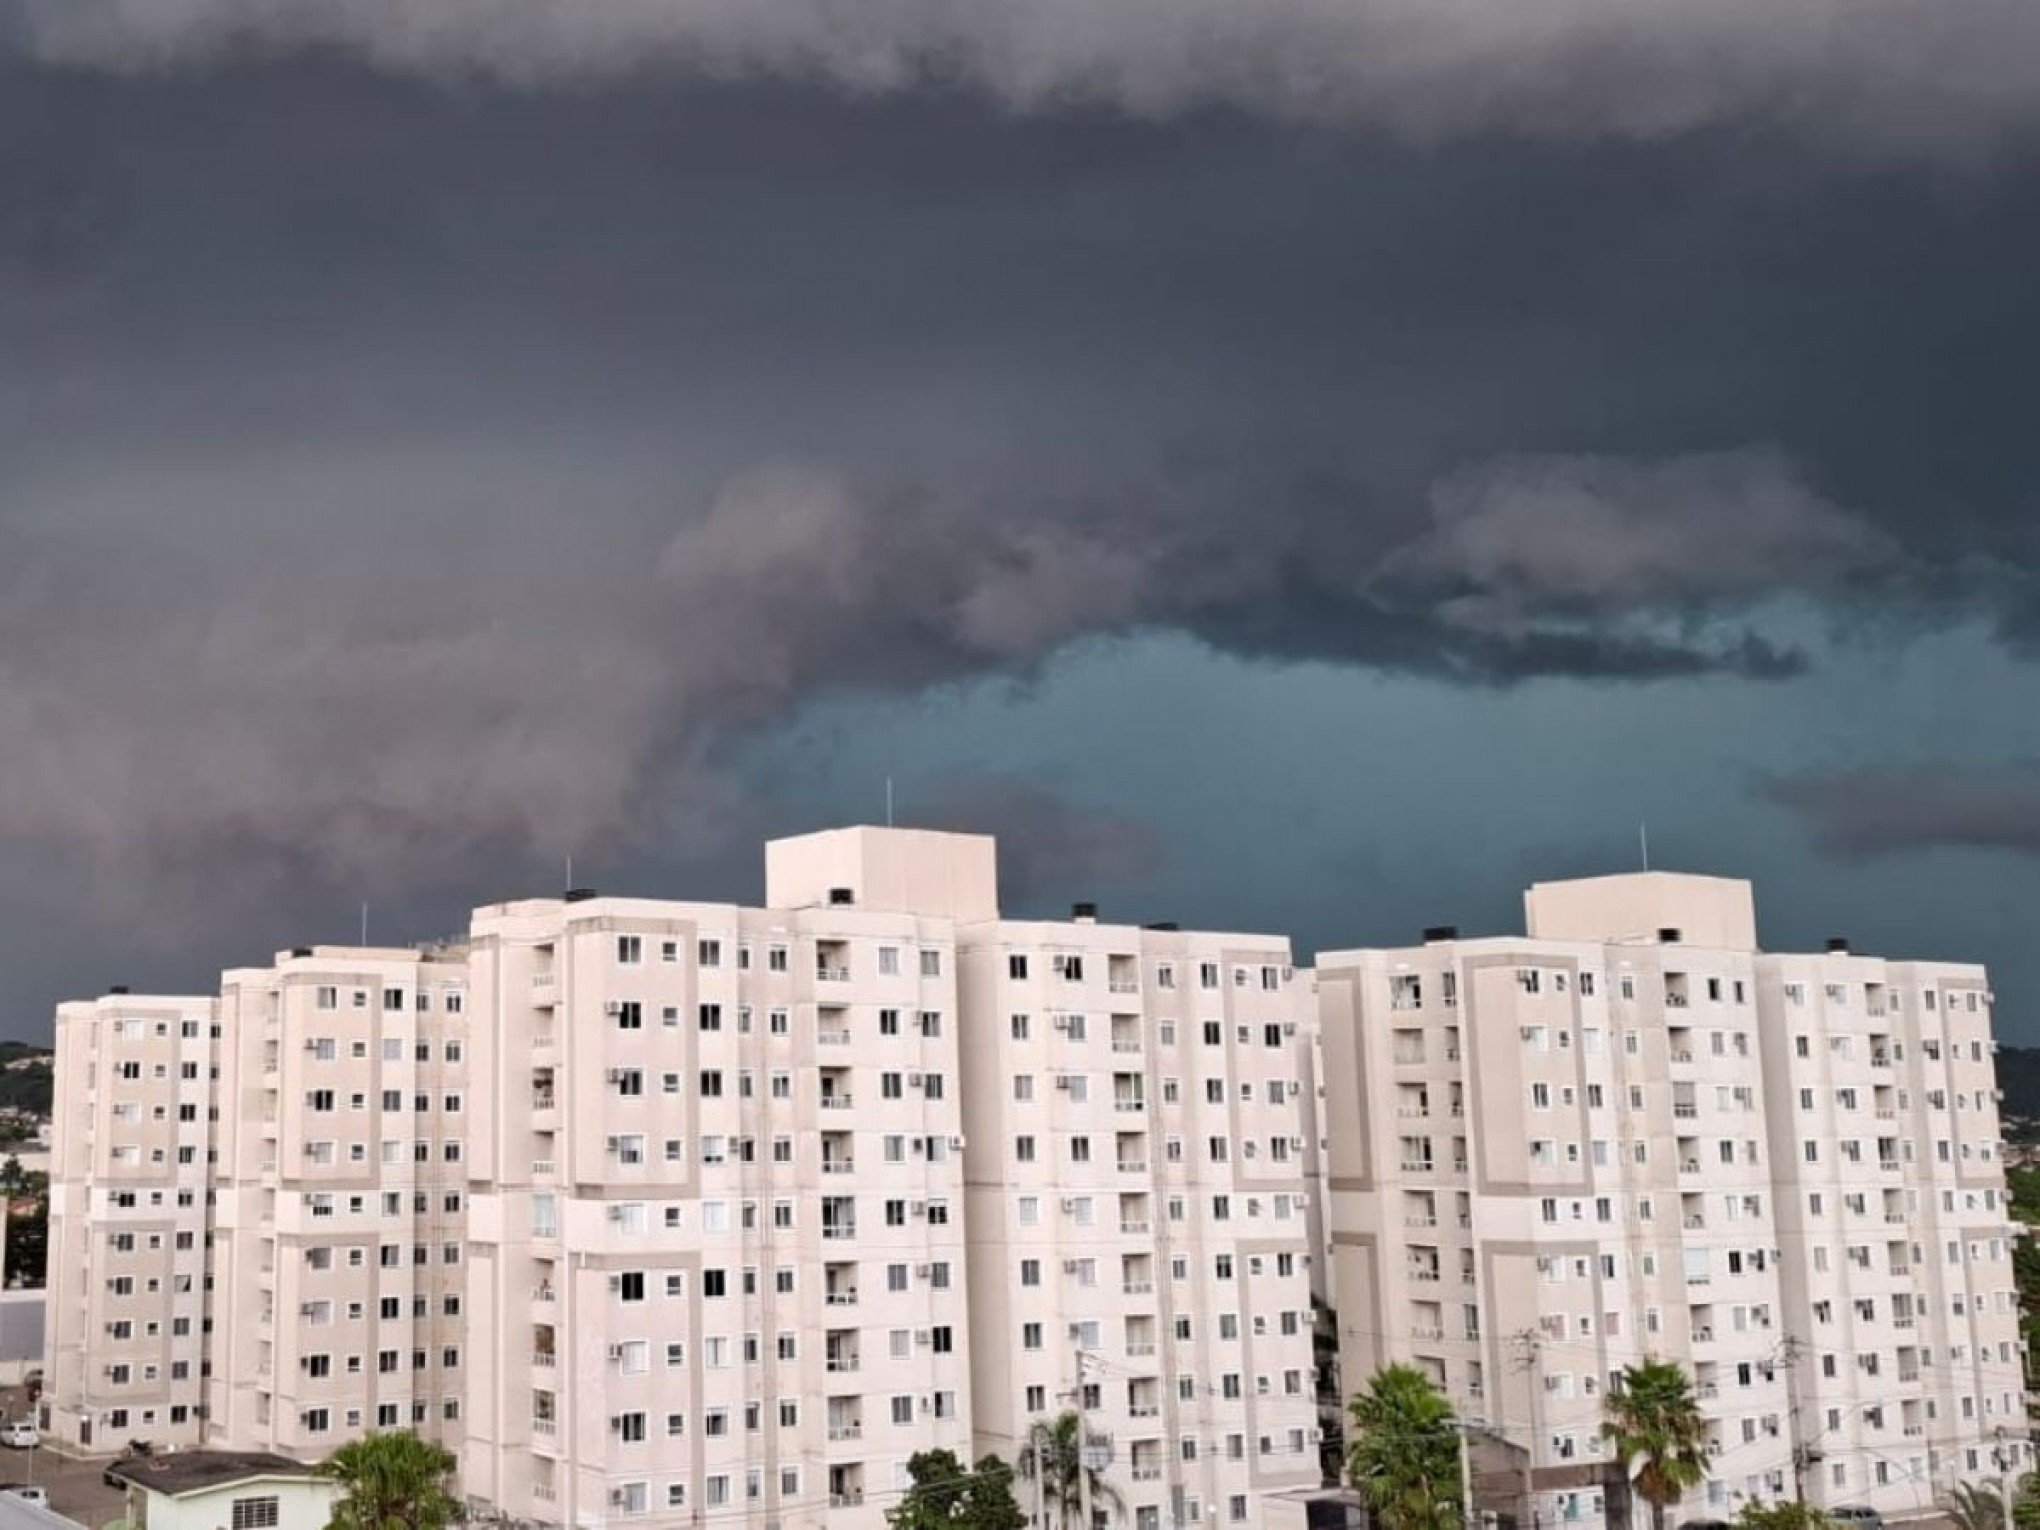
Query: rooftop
x,y
191,1471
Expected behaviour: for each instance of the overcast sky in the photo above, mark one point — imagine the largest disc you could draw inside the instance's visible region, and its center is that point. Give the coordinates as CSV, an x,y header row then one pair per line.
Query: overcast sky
x,y
1314,465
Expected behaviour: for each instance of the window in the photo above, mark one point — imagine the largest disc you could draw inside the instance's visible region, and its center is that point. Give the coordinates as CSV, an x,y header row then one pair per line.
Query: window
x,y
630,949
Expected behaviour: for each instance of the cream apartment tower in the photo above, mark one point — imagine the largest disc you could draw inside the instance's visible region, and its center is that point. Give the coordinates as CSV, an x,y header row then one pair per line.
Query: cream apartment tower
x,y
1138,1210
130,1176
339,1200
1632,1134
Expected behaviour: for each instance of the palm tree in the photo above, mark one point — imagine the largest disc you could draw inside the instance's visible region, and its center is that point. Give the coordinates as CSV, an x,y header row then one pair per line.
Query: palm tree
x,y
1659,1433
1054,1450
392,1481
1404,1459
1985,1506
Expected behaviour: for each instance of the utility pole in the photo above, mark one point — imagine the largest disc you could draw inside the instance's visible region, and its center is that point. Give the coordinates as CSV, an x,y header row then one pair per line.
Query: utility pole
x,y
1529,1344
1788,1356
1466,1514
1083,1447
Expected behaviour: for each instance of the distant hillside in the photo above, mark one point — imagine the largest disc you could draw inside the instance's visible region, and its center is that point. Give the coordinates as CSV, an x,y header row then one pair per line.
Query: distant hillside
x,y
2018,1074
24,1087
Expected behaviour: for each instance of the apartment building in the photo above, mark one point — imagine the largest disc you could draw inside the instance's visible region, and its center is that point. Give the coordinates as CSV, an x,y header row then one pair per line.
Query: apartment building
x,y
1554,1155
717,1265
1908,1360
339,1201
130,1165
1138,1210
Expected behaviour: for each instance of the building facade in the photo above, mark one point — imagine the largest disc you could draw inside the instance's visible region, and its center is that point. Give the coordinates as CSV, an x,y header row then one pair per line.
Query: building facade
x,y
339,1200
1138,1210
1600,1142
130,1174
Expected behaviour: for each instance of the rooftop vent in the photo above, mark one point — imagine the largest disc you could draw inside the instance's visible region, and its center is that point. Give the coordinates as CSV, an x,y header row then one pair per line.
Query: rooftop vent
x,y
1839,944
1669,935
580,894
841,896
118,988
1440,932
1084,913
1164,924
300,950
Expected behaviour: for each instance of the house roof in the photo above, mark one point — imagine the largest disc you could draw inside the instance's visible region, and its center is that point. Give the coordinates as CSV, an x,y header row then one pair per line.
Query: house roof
x,y
177,1473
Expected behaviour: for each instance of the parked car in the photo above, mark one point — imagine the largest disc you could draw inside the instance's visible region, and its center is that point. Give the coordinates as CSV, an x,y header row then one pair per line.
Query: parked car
x,y
1705,1524
1855,1516
20,1435
27,1490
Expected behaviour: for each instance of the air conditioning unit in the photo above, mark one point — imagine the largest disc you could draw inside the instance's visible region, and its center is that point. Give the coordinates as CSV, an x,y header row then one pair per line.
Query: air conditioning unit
x,y
617,1496
956,1144
615,1284
613,1007
616,1351
616,1075
1069,1203
920,1147
1289,1027
1061,1022
922,1271
1071,1266
1062,1081
615,1427
913,1081
923,1336
1296,1144
616,1213
918,1209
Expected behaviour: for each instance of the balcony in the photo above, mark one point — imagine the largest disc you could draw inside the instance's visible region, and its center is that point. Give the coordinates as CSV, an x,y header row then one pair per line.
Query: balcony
x,y
838,1231
544,1359
542,1167
1419,1219
1146,1473
1129,1103
842,1297
1144,1410
1138,1288
1426,1331
839,1166
849,1499
836,1102
1139,1227
1140,1349
842,1365
1125,1044
1124,985
826,974
832,1038
838,1433
1133,1166
546,1428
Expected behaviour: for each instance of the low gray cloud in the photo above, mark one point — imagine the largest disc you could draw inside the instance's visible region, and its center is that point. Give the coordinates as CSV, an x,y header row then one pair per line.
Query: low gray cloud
x,y
1870,811
1882,73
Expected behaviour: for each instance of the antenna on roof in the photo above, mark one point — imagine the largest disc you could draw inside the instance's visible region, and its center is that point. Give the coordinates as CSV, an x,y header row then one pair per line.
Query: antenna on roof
x,y
1643,843
364,921
888,802
570,869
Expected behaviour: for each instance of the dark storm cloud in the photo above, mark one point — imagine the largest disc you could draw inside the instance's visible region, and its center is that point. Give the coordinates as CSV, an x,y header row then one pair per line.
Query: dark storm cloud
x,y
1896,810
405,483
1048,844
1878,72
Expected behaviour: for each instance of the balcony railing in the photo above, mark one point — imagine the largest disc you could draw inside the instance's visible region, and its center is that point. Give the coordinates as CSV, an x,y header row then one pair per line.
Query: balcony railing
x,y
832,1038
836,1231
833,974
839,1166
1135,1226
848,1499
841,1432
1129,1104
841,1298
1124,985
544,1359
1133,1166
835,1102
1140,1348
841,1365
